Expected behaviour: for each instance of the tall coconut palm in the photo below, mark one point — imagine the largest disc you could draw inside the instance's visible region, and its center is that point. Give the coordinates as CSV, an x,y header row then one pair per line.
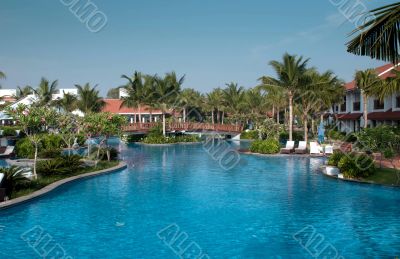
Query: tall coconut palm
x,y
188,98
135,89
167,93
275,99
68,103
2,75
317,93
254,104
233,97
289,75
23,91
368,82
45,91
379,36
89,99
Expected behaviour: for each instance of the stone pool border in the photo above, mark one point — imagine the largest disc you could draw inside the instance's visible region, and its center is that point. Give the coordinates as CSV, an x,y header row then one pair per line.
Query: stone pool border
x,y
166,145
51,187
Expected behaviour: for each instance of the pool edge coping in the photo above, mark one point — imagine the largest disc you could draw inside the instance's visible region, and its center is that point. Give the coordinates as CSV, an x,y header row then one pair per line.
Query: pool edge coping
x,y
53,186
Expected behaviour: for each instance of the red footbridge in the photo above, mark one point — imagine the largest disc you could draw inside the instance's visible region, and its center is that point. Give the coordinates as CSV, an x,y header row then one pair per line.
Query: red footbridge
x,y
185,126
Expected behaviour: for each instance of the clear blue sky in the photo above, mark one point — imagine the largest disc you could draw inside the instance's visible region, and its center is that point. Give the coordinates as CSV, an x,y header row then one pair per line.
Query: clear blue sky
x,y
213,42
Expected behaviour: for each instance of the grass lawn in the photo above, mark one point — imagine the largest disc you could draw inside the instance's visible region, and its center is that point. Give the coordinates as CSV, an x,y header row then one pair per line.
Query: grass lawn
x,y
40,183
385,176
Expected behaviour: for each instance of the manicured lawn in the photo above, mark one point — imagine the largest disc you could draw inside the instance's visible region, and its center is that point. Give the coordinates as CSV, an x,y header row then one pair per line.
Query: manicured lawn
x,y
40,183
385,176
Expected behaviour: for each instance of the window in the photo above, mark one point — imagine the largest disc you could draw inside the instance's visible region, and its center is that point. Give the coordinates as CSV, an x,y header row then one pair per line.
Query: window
x,y
379,105
356,103
398,102
343,105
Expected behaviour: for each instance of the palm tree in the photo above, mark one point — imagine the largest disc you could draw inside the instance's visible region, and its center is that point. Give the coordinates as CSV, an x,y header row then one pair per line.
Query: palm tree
x,y
290,74
68,103
45,91
89,99
188,98
233,97
254,103
275,99
379,37
2,75
318,92
368,82
167,94
23,91
135,89
12,176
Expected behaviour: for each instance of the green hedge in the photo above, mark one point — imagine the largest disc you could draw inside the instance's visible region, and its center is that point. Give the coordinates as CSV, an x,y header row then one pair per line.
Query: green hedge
x,y
356,166
170,140
50,147
269,146
297,136
251,134
335,158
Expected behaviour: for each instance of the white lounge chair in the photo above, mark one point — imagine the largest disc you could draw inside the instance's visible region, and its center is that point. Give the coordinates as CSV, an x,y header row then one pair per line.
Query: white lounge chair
x,y
315,148
289,148
8,152
328,150
302,148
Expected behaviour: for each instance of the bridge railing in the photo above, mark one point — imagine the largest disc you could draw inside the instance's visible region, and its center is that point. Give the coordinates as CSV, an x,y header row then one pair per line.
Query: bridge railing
x,y
187,126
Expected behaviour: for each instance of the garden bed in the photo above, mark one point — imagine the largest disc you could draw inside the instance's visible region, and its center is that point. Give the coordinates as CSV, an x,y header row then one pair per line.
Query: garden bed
x,y
47,184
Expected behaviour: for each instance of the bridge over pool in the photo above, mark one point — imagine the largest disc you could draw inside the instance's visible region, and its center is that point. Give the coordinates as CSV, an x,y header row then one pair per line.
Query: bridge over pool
x,y
185,126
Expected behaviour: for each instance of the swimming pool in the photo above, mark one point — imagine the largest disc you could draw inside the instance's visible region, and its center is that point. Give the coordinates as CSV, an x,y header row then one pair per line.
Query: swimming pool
x,y
264,206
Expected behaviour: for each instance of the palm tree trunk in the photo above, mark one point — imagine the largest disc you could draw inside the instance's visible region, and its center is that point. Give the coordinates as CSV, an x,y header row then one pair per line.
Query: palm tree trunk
x,y
223,116
290,116
218,116
134,120
212,116
305,122
35,161
184,114
277,116
164,124
273,111
140,113
313,126
365,109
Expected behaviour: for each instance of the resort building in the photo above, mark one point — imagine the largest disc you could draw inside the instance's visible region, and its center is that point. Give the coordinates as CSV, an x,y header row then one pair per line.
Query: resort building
x,y
61,92
7,96
146,113
349,114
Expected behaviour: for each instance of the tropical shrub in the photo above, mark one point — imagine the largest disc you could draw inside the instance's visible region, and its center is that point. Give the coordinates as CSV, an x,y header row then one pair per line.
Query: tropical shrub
x,y
12,177
9,131
335,158
335,135
250,134
51,141
24,148
269,129
151,139
71,162
51,167
268,146
156,131
187,139
383,139
356,166
50,153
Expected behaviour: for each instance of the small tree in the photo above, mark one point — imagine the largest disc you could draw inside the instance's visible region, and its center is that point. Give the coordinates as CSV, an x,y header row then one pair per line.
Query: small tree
x,y
382,139
33,120
269,129
102,125
68,126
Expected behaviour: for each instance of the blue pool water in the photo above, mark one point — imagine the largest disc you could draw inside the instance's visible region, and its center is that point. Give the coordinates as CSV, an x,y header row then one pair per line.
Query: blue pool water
x,y
251,211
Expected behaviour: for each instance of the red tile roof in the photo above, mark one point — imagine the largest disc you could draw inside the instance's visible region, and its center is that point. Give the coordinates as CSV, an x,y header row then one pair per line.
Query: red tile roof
x,y
383,72
114,106
349,116
381,116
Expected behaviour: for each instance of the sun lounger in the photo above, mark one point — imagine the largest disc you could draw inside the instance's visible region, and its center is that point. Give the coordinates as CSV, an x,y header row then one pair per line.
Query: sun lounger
x,y
8,152
302,148
289,148
315,148
328,150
